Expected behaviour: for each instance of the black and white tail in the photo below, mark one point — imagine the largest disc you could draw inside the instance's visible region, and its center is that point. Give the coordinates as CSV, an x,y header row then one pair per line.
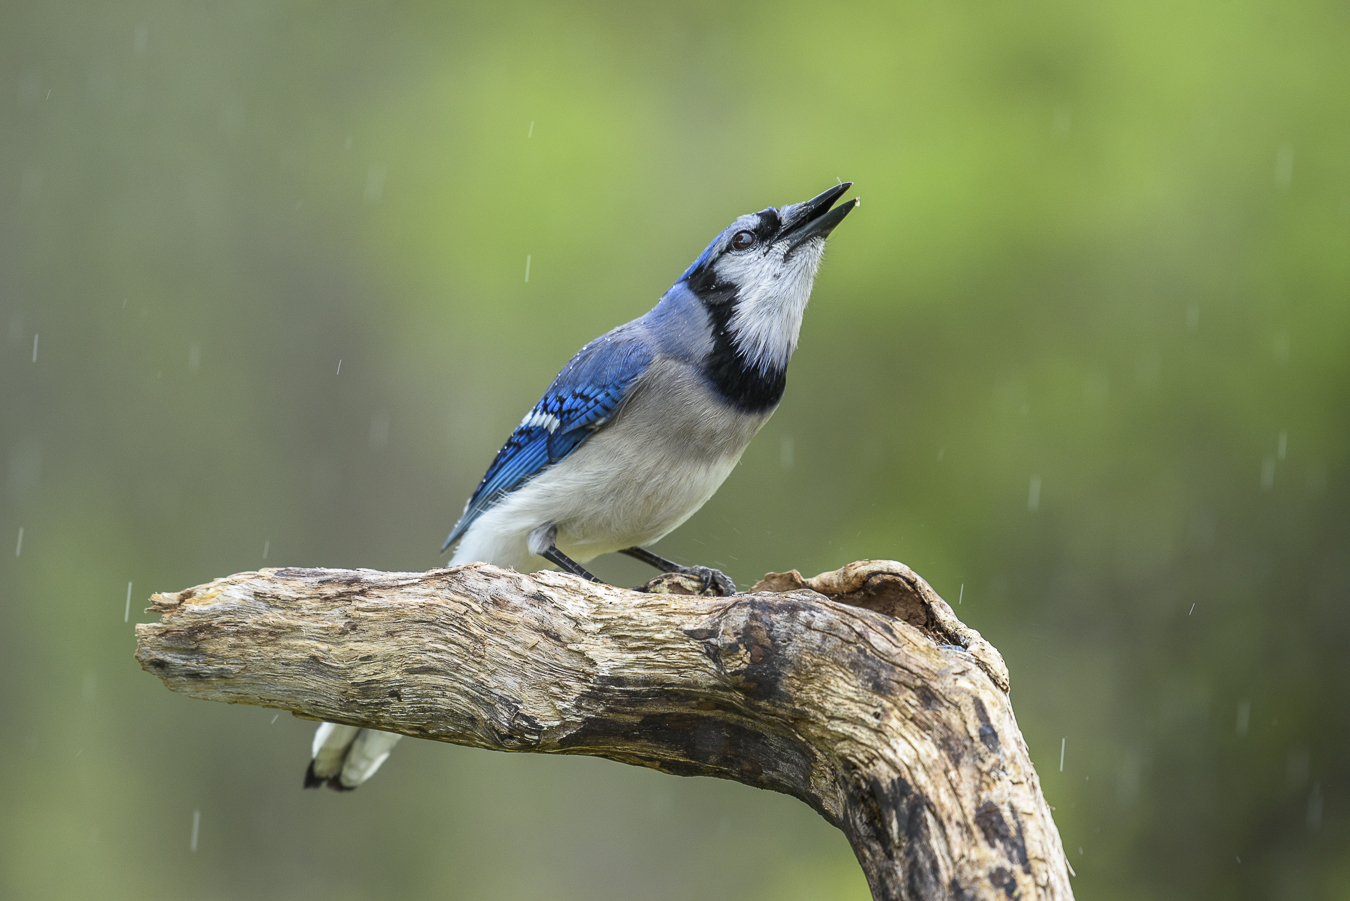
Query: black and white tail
x,y
345,756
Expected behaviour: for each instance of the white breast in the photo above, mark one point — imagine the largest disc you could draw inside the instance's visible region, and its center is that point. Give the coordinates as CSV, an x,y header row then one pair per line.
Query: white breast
x,y
652,467
772,300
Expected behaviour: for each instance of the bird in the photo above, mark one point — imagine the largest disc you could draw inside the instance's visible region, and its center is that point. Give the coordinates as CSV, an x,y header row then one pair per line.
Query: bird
x,y
639,429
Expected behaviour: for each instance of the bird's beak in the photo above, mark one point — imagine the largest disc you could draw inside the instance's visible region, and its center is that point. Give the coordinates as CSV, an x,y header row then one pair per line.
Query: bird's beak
x,y
814,218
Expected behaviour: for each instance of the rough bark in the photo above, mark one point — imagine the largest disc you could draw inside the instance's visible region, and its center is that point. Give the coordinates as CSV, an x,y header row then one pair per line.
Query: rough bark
x,y
858,691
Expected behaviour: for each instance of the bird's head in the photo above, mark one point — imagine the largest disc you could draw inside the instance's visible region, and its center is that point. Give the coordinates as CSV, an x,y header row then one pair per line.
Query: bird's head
x,y
755,279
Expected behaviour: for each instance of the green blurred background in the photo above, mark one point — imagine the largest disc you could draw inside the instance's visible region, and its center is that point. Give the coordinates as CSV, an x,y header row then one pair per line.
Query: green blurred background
x,y
1081,358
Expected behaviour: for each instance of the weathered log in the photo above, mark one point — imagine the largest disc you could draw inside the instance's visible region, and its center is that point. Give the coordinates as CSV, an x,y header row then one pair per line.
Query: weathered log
x,y
858,691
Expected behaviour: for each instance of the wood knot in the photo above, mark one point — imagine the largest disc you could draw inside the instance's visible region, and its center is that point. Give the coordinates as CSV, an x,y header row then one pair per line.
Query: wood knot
x,y
893,589
882,585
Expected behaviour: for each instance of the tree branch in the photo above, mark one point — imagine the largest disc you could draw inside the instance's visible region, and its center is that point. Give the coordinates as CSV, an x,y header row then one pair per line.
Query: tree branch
x,y
858,691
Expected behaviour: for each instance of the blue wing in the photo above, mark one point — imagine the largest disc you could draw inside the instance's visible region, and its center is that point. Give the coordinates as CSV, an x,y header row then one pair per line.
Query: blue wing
x,y
581,400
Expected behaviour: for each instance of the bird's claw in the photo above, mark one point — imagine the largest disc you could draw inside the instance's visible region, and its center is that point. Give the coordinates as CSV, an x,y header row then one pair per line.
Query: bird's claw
x,y
715,582
691,581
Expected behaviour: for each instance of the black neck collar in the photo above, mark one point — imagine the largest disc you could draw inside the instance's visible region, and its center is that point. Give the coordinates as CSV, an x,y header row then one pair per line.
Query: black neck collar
x,y
742,385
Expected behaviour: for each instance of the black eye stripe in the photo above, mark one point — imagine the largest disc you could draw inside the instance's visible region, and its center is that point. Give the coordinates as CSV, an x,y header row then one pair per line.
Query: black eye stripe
x,y
769,225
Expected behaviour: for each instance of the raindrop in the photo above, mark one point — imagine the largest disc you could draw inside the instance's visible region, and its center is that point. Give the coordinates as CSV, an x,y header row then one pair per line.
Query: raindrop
x,y
530,134
35,345
375,183
1193,316
274,720
1244,716
142,39
1268,474
339,369
1034,495
196,827
1192,610
961,595
1284,165
942,452
18,548
527,268
1203,529
1127,780
379,431
126,614
1062,123
1282,446
267,545
1315,808
787,453
1062,743
1281,347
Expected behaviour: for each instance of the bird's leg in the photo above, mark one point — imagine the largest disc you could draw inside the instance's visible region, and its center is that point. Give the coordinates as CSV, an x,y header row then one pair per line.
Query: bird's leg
x,y
544,542
567,564
711,577
651,559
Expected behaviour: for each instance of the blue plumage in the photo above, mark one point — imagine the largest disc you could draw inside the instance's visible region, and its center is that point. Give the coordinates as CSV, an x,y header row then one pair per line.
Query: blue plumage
x,y
639,429
581,399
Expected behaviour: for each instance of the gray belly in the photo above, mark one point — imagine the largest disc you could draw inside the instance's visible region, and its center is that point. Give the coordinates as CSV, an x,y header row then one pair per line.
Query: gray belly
x,y
653,466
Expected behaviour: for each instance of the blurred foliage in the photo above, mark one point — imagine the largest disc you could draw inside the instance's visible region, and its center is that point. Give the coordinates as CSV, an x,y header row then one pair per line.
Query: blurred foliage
x,y
1101,270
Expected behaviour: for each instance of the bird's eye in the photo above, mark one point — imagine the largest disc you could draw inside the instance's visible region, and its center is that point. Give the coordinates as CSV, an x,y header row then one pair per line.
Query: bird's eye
x,y
743,240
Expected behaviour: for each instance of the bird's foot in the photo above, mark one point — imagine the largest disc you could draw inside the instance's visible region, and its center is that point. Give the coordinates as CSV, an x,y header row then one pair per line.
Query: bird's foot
x,y
715,582
692,580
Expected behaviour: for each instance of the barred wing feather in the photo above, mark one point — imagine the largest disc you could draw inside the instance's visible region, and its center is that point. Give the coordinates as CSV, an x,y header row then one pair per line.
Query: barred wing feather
x,y
581,400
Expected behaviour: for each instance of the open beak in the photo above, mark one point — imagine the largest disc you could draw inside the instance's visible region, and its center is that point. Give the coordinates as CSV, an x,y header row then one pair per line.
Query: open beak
x,y
814,218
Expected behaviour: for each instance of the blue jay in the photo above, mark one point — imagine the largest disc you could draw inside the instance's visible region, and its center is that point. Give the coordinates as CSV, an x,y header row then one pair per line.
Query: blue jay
x,y
640,428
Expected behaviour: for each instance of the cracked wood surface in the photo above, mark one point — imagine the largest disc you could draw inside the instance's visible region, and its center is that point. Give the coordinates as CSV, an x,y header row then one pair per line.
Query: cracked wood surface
x,y
857,691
